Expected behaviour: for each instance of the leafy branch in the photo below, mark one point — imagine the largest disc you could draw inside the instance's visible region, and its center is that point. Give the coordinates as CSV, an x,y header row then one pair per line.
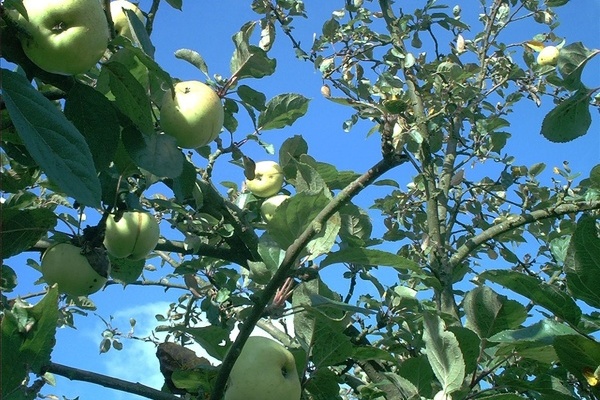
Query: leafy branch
x,y
289,260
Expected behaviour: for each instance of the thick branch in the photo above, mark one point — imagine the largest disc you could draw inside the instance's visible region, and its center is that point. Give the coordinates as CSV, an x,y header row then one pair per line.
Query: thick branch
x,y
292,253
108,381
517,221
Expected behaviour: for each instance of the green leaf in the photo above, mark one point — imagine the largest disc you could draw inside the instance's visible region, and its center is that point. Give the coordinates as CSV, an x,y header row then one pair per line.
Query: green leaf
x,y
579,355
323,385
418,371
40,339
470,346
568,120
194,58
443,353
270,252
252,97
571,61
547,296
544,332
282,110
51,139
11,341
124,270
317,300
582,264
8,278
156,153
130,96
330,346
93,114
176,4
249,61
358,255
21,229
489,313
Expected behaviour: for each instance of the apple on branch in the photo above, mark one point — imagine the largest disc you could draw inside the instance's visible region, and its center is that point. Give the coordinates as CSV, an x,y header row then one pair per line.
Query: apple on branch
x,y
264,370
548,55
66,265
268,179
133,236
194,115
65,37
268,207
119,17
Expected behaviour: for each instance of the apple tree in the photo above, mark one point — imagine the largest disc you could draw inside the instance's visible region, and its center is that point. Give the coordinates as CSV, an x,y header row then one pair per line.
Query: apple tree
x,y
495,275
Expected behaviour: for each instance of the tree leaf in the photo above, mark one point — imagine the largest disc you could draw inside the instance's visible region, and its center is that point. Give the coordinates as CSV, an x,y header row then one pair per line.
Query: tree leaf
x,y
177,4
489,313
130,96
568,120
582,264
358,255
579,355
282,110
21,229
443,353
194,58
95,117
249,61
542,332
571,60
156,153
252,97
51,139
418,371
126,271
547,296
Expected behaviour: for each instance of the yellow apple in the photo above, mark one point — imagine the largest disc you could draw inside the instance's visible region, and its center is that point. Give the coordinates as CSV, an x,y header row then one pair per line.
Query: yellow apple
x,y
268,207
65,265
64,36
548,56
268,179
119,17
194,116
133,236
264,370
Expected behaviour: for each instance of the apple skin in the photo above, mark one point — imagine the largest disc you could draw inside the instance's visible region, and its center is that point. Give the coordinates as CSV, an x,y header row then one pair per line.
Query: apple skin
x,y
134,236
268,179
268,207
194,117
67,37
120,18
64,264
264,370
548,56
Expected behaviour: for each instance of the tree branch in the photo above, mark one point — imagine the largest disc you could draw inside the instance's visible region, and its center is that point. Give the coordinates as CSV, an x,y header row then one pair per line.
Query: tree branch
x,y
291,254
517,221
108,381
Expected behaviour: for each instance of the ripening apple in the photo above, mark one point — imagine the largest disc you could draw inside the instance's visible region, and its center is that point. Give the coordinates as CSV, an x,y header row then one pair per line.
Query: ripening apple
x,y
264,370
120,19
548,56
65,265
268,207
65,37
268,179
194,116
133,236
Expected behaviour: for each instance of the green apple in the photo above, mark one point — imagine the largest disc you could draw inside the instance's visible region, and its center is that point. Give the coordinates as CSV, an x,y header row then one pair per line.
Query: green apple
x,y
268,179
133,236
65,265
264,370
65,37
268,207
548,56
120,19
194,115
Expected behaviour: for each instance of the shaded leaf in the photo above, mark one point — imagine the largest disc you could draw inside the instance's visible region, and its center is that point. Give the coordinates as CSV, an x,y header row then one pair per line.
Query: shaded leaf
x,y
282,110
248,60
21,229
124,270
51,139
568,120
156,153
418,371
375,257
579,355
543,332
571,61
252,97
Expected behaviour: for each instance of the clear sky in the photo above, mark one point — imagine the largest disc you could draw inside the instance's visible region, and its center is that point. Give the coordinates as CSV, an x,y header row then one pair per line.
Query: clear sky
x,y
207,26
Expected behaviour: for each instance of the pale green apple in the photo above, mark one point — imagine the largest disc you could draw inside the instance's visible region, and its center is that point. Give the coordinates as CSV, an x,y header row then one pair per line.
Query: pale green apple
x,y
268,207
264,370
119,17
64,36
548,56
65,265
194,116
268,179
133,236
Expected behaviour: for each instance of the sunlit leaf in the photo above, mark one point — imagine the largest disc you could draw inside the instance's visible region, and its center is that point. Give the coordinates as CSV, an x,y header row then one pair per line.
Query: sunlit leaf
x,y
248,60
194,58
282,110
365,256
571,61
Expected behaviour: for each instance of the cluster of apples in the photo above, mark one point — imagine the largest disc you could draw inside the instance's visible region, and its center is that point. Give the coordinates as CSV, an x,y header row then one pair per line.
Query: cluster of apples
x,y
266,184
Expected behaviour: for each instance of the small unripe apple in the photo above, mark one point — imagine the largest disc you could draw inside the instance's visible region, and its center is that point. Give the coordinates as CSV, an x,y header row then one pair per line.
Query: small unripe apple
x,y
64,36
264,370
65,265
268,179
120,18
548,56
133,236
268,207
194,116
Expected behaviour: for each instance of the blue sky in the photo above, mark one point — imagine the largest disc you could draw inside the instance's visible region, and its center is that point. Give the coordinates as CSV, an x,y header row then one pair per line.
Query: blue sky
x,y
207,26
